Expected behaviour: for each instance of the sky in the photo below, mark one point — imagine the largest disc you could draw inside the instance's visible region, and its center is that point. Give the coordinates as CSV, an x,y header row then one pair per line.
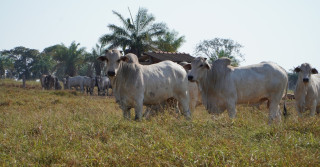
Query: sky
x,y
283,31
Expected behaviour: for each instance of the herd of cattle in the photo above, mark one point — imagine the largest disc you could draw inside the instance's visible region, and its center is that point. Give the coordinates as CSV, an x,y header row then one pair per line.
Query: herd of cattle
x,y
217,85
78,82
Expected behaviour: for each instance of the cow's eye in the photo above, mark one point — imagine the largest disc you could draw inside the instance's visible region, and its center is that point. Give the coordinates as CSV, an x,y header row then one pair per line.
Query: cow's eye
x,y
201,65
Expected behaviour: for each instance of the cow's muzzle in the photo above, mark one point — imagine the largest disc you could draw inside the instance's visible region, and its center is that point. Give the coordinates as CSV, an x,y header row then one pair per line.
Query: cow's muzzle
x,y
111,73
305,80
190,78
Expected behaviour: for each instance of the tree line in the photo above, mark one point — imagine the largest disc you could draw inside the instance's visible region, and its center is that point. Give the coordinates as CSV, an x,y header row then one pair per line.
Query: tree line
x,y
134,35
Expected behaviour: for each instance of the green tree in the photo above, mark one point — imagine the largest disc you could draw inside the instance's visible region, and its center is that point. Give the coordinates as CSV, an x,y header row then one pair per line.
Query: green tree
x,y
43,64
170,42
219,47
69,59
134,36
24,59
6,66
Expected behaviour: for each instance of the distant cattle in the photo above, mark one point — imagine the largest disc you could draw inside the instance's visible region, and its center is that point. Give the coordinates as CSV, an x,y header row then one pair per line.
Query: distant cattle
x,y
104,85
289,96
75,82
89,83
42,79
57,85
135,85
223,86
307,92
49,82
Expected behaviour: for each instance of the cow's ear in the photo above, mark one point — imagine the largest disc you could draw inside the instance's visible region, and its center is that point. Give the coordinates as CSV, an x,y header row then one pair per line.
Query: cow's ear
x,y
187,66
297,69
314,71
207,66
102,58
124,58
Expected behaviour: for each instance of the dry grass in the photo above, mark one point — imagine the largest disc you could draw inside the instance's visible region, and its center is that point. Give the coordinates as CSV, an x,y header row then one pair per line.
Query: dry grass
x,y
67,128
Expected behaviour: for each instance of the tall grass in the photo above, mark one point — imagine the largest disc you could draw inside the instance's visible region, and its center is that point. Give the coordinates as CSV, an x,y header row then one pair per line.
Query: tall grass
x,y
67,128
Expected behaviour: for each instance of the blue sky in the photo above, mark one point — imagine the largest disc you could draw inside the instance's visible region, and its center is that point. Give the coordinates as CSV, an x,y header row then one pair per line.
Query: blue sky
x,y
283,31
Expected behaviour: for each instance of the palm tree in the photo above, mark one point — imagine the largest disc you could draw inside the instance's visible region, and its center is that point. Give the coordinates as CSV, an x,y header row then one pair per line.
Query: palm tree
x,y
170,42
91,58
69,59
134,36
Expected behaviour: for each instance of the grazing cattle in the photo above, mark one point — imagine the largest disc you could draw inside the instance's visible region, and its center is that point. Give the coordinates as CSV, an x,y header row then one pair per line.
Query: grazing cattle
x,y
103,85
307,92
135,85
76,81
89,83
223,86
194,92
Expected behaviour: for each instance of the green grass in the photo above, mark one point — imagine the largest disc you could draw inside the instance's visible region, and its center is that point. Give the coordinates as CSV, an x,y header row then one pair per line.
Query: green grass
x,y
67,128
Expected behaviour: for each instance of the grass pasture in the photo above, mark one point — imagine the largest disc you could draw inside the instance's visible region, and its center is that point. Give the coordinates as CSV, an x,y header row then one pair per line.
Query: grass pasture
x,y
67,128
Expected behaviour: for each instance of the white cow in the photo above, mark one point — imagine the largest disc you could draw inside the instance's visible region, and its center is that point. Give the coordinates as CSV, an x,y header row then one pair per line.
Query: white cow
x,y
194,92
135,85
104,84
307,92
223,86
42,79
76,81
89,83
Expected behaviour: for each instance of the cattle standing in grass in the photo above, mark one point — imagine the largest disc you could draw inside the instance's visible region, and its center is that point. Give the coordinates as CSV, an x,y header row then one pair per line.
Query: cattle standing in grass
x,y
223,86
57,85
103,84
49,82
76,81
42,79
307,92
89,83
135,85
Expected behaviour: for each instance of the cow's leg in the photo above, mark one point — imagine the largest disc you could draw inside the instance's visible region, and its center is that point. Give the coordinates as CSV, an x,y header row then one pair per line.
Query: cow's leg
x,y
313,108
318,110
300,107
231,108
274,111
126,112
183,101
138,110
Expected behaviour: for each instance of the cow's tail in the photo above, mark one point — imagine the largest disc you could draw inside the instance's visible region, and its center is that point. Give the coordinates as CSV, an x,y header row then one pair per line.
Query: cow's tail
x,y
285,113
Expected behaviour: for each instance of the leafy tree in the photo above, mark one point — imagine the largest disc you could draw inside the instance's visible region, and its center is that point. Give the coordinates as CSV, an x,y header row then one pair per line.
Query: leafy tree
x,y
23,60
69,59
43,64
6,66
170,42
134,36
95,64
219,47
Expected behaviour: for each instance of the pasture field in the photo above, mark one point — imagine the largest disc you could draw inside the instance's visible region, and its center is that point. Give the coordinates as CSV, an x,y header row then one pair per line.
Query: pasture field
x,y
67,128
